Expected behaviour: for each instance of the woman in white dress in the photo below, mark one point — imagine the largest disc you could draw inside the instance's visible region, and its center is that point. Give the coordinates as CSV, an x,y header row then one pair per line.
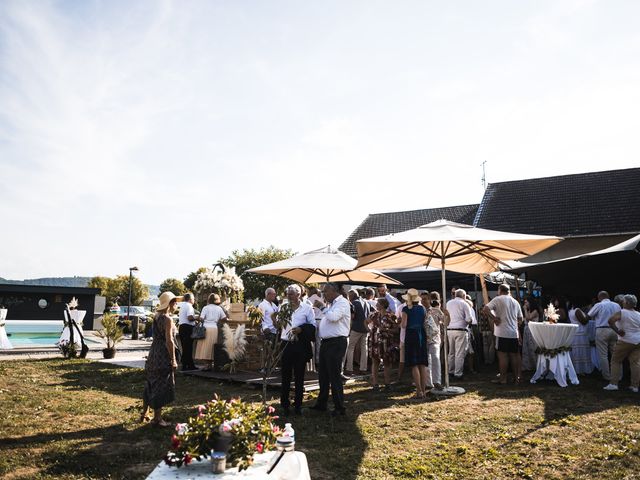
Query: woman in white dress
x,y
531,314
210,316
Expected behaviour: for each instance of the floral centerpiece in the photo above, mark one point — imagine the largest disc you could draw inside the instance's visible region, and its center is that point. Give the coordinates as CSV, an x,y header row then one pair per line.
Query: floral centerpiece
x,y
551,314
223,281
250,428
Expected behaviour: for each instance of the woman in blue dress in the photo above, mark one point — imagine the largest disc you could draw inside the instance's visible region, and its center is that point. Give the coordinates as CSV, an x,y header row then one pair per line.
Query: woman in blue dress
x,y
415,342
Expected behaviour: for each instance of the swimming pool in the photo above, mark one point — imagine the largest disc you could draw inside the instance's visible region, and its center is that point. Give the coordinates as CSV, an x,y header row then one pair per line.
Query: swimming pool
x,y
36,333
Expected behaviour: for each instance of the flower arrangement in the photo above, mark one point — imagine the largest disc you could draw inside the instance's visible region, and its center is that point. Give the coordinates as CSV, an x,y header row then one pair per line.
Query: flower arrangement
x,y
250,428
235,343
551,314
68,349
225,282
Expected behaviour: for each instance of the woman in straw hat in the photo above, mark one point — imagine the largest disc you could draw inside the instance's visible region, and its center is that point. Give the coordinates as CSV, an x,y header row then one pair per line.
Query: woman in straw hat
x,y
210,316
160,387
415,342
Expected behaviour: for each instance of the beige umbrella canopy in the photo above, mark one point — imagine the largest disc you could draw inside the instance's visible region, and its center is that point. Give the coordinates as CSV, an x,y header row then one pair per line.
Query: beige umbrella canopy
x,y
323,265
457,247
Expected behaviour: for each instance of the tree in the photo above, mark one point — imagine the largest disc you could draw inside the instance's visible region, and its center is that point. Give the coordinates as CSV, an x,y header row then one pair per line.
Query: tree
x,y
119,290
190,279
100,282
255,285
173,285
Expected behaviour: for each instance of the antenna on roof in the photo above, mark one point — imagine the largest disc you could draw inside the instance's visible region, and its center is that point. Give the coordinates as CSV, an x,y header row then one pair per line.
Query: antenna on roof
x,y
484,175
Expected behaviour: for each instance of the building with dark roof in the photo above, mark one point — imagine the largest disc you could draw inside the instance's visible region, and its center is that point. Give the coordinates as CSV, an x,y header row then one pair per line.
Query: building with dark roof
x,y
385,223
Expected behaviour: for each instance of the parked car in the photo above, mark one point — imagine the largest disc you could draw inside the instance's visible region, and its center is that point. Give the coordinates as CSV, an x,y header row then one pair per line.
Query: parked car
x,y
140,312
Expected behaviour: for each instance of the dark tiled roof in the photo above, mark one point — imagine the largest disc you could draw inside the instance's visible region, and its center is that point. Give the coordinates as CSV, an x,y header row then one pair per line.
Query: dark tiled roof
x,y
595,203
385,223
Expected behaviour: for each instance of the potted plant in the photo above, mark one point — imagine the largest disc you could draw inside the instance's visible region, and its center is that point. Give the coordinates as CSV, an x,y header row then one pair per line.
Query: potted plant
x,y
111,333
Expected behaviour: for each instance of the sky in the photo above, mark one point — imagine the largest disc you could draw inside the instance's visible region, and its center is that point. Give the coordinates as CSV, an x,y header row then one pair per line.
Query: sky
x,y
166,134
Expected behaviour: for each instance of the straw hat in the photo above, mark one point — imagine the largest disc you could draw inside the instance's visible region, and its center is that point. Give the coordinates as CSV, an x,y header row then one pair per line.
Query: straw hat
x,y
165,300
412,295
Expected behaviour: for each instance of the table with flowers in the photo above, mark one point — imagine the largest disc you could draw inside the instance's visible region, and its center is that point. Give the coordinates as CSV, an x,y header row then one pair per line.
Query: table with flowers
x,y
554,344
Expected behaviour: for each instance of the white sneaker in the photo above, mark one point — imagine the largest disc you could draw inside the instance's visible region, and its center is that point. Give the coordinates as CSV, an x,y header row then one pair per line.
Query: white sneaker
x,y
611,387
634,389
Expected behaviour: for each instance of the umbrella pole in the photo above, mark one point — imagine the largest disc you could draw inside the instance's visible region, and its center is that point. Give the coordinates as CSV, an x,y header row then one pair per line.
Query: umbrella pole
x,y
444,330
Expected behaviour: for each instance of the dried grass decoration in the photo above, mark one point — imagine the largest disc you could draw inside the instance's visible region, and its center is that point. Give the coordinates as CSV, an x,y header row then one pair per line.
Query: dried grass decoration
x,y
551,314
235,344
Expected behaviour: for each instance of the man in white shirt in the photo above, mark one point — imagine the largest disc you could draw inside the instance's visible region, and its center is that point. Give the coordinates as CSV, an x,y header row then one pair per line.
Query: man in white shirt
x,y
187,321
296,348
606,338
626,324
506,314
269,309
458,317
334,331
393,301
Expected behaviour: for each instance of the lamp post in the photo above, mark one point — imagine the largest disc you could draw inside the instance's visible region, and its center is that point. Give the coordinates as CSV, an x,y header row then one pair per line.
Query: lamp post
x,y
134,325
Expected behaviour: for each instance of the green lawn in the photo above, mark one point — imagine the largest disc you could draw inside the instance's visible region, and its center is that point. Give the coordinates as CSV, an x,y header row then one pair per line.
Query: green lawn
x,y
77,419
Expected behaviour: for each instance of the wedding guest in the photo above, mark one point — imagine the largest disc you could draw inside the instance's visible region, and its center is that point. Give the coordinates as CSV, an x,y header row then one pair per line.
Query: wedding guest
x,y
384,292
626,324
506,314
606,338
159,388
211,314
433,327
384,340
296,348
531,314
370,296
403,333
359,332
473,334
187,320
560,304
580,348
334,331
269,308
416,351
459,315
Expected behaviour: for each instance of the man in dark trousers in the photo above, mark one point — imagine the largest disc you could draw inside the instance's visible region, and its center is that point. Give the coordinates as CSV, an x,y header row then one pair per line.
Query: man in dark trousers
x,y
296,348
185,328
334,331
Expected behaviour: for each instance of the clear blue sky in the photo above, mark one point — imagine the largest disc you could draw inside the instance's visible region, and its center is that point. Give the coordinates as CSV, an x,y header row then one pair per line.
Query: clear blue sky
x,y
200,127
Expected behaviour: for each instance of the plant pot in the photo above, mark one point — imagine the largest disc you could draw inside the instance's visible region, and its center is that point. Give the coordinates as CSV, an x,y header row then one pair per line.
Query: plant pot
x,y
222,444
109,352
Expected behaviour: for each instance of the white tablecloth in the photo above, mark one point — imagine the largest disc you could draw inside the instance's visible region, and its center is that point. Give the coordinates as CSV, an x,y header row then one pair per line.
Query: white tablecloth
x,y
292,466
5,344
551,336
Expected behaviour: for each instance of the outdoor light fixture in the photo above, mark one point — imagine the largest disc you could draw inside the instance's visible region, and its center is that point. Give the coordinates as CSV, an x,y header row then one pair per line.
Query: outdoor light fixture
x,y
134,328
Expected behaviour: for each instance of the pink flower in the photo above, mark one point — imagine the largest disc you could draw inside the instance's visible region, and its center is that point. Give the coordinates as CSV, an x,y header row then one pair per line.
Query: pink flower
x,y
270,409
276,429
201,408
260,447
187,459
175,442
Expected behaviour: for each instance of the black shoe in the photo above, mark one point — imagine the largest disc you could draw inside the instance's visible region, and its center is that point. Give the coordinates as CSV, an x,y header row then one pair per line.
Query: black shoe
x,y
318,408
336,412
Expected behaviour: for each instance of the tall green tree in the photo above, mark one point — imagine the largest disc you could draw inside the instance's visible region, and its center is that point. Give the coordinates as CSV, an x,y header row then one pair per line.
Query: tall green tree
x,y
100,282
255,285
173,285
190,280
118,290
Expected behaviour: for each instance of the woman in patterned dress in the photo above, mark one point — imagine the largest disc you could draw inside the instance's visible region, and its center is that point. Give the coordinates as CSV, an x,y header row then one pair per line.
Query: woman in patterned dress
x,y
160,387
383,342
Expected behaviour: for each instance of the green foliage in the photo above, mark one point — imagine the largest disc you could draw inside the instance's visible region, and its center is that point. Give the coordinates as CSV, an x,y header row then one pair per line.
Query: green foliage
x,y
116,290
110,331
255,285
249,427
173,285
190,280
100,282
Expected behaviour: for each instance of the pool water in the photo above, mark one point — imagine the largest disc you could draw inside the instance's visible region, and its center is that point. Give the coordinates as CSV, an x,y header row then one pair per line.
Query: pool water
x,y
36,333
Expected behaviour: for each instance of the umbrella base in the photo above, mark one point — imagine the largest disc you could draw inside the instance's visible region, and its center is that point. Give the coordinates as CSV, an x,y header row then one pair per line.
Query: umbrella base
x,y
449,391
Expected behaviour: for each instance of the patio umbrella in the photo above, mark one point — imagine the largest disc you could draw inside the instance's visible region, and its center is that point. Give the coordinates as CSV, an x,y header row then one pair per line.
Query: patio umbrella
x,y
458,247
323,265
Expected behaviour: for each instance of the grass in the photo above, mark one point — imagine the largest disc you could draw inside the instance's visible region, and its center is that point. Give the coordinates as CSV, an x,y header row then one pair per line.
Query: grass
x,y
77,419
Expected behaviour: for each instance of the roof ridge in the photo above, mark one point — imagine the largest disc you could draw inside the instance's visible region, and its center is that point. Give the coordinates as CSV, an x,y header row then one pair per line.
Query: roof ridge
x,y
568,175
423,209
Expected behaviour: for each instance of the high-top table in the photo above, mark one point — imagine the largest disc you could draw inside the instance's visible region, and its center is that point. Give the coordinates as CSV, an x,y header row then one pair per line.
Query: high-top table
x,y
554,365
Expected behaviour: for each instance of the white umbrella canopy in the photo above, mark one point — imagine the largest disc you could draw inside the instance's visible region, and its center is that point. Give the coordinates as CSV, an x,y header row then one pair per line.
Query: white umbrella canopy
x,y
323,265
463,248
458,247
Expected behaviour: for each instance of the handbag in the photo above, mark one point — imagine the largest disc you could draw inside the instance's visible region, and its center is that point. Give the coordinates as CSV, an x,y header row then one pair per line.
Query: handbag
x,y
199,332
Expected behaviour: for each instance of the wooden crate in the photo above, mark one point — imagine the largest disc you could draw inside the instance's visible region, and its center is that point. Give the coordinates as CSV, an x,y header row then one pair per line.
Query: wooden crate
x,y
238,317
237,307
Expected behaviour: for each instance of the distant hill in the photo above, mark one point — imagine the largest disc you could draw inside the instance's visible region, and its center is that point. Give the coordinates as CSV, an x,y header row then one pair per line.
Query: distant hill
x,y
78,282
